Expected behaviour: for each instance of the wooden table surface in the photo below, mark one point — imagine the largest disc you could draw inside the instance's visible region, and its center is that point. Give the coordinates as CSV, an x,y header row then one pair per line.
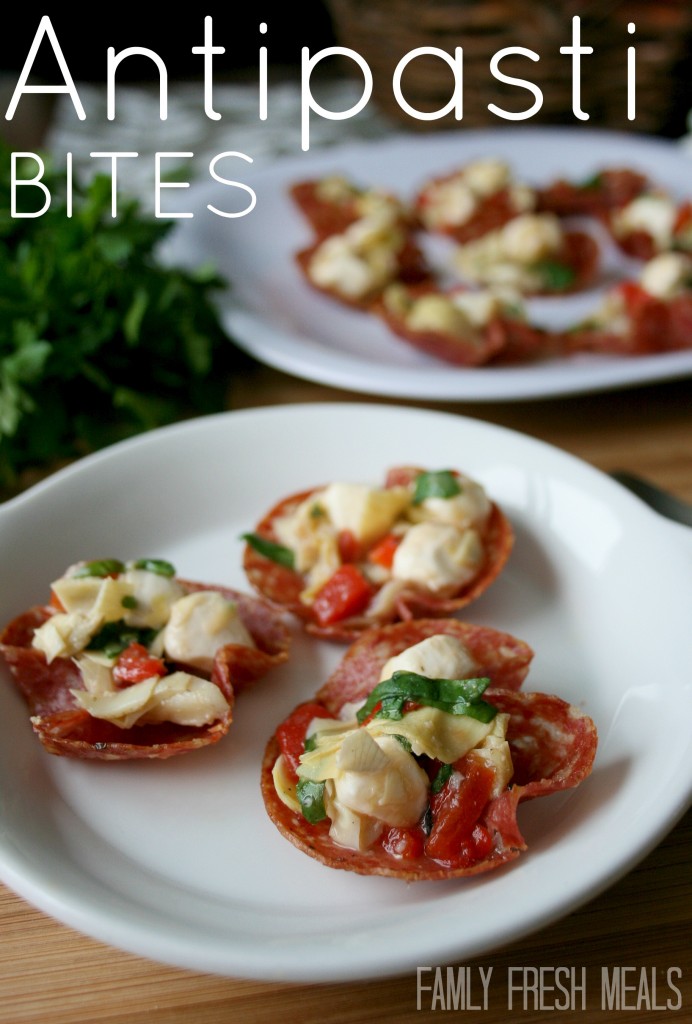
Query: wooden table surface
x,y
49,973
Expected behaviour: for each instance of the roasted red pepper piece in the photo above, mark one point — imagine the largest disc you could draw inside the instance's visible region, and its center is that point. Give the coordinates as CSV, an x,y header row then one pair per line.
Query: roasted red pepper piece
x,y
135,664
346,593
456,809
291,733
383,552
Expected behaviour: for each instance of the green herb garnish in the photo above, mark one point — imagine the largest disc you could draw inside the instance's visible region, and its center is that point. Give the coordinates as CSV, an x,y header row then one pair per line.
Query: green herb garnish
x,y
404,741
440,483
311,799
595,181
99,339
453,696
102,568
276,552
114,637
556,277
441,778
129,601
157,565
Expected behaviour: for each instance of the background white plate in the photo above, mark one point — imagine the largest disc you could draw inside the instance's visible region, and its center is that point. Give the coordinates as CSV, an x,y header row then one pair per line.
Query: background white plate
x,y
176,860
275,316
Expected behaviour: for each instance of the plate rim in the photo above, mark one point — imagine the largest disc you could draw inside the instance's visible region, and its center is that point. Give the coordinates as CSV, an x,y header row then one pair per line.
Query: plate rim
x,y
299,354
79,916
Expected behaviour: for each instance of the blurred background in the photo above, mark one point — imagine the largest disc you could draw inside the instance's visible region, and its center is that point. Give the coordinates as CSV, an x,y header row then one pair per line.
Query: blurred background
x,y
383,31
84,46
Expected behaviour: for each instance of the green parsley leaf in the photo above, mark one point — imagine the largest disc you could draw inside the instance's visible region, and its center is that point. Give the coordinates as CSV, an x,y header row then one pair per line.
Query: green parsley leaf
x,y
556,277
99,339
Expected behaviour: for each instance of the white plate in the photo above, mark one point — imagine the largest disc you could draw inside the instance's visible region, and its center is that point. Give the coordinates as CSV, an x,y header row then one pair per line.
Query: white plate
x,y
275,316
176,860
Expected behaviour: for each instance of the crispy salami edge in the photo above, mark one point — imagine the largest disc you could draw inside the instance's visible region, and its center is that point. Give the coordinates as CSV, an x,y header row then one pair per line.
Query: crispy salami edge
x,y
503,340
499,655
283,586
325,218
68,730
613,187
411,269
553,745
492,213
656,325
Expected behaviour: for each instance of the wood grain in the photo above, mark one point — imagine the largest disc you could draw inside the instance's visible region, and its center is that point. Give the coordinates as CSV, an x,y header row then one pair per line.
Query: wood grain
x,y
50,973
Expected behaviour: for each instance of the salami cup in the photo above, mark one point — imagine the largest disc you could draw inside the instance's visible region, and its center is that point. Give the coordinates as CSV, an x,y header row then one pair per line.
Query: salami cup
x,y
413,758
127,661
348,556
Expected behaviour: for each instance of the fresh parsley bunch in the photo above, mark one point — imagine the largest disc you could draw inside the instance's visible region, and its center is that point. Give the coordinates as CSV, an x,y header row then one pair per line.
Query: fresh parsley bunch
x,y
98,339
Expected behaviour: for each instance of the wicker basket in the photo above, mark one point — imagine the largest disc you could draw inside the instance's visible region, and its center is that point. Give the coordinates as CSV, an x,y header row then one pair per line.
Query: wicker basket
x,y
383,31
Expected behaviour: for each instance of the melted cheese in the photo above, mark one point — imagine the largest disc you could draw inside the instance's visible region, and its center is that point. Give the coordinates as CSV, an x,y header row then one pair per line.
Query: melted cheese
x,y
367,512
438,555
453,201
437,657
508,256
667,275
154,594
392,789
362,259
341,192
462,313
347,827
470,508
655,214
439,313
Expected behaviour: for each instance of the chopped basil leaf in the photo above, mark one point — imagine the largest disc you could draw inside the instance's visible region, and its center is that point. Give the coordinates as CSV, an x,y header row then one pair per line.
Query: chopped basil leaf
x,y
129,601
440,483
316,511
311,799
453,696
157,565
404,741
114,637
441,778
594,182
555,276
276,552
102,568
310,742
